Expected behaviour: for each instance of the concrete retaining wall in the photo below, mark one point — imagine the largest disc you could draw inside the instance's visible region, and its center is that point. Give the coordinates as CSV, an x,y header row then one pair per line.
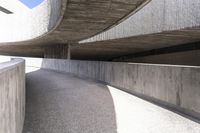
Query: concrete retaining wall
x,y
173,86
12,96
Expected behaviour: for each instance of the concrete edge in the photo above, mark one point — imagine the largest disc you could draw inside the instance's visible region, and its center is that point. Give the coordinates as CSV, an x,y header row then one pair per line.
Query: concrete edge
x,y
10,64
62,13
7,67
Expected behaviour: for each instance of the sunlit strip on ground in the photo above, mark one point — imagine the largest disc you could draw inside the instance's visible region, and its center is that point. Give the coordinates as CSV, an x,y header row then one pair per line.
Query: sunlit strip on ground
x,y
136,115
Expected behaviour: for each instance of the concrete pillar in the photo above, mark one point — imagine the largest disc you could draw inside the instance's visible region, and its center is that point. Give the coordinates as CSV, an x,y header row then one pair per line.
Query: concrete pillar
x,y
69,52
60,51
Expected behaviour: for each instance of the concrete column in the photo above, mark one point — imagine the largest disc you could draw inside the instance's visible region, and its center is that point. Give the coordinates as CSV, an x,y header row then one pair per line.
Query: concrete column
x,y
69,52
60,51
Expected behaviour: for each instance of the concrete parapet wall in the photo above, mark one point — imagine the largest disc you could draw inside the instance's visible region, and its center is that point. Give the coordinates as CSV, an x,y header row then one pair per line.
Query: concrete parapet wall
x,y
173,86
12,96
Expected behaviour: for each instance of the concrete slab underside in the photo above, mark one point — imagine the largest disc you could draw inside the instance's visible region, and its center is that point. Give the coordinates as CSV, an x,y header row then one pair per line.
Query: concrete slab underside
x,y
62,103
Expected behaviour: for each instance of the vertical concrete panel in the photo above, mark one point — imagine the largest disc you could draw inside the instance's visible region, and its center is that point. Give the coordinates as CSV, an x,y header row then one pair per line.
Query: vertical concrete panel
x,y
190,93
12,96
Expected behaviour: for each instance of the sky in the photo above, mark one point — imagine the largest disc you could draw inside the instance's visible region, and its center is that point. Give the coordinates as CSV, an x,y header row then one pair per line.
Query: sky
x,y
31,3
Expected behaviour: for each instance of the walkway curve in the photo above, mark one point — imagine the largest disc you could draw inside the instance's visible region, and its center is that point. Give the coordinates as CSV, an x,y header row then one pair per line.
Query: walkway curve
x,y
63,103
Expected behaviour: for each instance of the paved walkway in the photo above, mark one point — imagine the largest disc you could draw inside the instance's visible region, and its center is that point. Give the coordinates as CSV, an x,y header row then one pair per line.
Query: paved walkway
x,y
62,103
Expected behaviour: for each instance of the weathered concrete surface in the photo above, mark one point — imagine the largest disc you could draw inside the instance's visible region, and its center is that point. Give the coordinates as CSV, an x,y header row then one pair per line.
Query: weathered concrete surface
x,y
72,20
112,49
63,103
85,18
57,51
12,96
60,103
161,23
25,23
78,20
174,86
157,16
180,58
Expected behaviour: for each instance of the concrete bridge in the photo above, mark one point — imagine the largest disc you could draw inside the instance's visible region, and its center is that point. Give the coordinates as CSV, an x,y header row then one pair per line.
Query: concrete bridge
x,y
118,66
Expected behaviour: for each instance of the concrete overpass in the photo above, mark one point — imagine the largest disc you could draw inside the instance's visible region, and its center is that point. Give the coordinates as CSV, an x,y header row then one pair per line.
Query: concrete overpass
x,y
78,20
145,26
114,91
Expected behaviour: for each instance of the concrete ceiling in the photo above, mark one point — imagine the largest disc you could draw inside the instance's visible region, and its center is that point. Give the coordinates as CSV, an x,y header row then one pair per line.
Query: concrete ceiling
x,y
85,18
111,49
108,50
157,16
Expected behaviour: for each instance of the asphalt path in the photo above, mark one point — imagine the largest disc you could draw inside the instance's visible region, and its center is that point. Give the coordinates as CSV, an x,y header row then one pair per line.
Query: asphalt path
x,y
63,103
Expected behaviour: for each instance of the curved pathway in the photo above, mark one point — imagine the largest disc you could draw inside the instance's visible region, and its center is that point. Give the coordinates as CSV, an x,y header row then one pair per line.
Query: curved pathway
x,y
63,103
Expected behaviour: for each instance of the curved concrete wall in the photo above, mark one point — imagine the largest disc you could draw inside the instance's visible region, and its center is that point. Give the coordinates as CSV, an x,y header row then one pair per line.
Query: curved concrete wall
x,y
12,96
28,23
173,86
155,17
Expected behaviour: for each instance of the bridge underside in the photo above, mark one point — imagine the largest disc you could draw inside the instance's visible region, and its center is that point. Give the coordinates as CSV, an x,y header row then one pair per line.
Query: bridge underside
x,y
116,30
113,49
